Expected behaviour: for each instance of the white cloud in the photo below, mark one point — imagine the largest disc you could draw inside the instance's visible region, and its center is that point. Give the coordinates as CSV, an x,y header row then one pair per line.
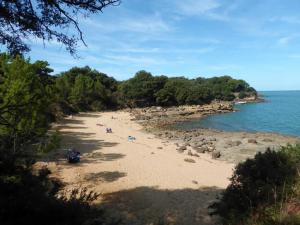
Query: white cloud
x,y
135,50
285,40
224,67
124,59
192,7
206,8
146,24
286,19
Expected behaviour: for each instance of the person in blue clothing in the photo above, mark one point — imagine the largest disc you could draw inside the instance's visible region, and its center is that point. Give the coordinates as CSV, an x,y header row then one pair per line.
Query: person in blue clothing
x,y
131,138
73,156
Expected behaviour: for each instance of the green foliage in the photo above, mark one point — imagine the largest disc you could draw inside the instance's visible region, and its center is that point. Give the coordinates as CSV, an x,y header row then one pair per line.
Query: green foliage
x,y
86,89
25,97
31,199
30,99
242,95
51,144
140,90
46,20
147,90
261,187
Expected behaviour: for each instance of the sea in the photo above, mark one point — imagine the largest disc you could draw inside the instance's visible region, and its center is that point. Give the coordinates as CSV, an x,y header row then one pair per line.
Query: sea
x,y
280,113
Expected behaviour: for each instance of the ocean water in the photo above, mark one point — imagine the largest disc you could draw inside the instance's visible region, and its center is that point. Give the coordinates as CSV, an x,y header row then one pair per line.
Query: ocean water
x,y
280,114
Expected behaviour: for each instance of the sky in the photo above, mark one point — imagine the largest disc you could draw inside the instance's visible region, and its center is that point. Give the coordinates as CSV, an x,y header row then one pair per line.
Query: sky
x,y
254,40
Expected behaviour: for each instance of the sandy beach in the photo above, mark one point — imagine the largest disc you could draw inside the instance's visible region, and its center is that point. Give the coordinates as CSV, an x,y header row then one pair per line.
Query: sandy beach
x,y
148,180
144,181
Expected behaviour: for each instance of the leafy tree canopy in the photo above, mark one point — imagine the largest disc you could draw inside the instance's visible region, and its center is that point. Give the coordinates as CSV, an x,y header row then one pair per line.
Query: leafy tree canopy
x,y
45,19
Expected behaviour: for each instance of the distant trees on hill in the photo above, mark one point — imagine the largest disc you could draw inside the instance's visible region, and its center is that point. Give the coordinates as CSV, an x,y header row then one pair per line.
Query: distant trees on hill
x,y
87,89
82,89
146,90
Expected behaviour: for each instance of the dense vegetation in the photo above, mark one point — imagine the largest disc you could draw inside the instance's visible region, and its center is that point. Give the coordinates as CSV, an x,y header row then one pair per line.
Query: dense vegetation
x,y
147,90
86,89
26,98
30,99
264,190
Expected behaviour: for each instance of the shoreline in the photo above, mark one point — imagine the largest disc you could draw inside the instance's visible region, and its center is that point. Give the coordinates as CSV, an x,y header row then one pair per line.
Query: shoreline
x,y
230,146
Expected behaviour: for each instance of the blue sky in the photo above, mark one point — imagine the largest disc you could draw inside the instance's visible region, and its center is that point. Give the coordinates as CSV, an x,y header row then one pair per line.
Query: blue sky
x,y
255,40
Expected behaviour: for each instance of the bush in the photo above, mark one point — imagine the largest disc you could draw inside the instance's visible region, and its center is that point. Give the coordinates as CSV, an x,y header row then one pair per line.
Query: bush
x,y
242,95
259,185
31,199
51,144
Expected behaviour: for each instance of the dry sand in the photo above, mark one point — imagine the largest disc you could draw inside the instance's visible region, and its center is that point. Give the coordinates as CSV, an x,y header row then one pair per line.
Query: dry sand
x,y
145,181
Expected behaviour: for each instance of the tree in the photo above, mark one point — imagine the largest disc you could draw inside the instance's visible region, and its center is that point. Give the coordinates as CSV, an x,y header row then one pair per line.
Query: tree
x,y
140,90
24,100
45,19
85,89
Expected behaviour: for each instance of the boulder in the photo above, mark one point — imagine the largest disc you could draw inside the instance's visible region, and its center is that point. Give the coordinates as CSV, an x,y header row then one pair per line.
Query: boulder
x,y
189,160
212,139
252,141
196,155
200,149
183,148
267,140
233,143
211,148
216,154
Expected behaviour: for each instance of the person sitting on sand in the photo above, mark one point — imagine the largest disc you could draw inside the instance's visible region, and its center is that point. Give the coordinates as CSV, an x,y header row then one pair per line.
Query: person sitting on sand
x,y
73,156
131,138
108,130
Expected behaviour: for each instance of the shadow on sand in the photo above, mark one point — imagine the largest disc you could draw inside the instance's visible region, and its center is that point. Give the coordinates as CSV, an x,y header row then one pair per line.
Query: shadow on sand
x,y
91,115
70,127
149,205
106,176
83,141
70,121
86,143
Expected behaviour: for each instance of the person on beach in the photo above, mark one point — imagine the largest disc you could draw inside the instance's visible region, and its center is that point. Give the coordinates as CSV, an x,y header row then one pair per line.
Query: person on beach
x,y
131,138
73,156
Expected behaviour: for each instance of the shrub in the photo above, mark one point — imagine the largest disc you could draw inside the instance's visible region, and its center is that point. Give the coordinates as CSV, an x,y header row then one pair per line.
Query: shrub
x,y
52,143
31,199
258,186
242,95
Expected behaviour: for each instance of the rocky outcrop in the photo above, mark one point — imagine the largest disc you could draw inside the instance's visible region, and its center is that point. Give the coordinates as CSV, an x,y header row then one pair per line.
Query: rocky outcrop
x,y
252,141
159,116
189,160
230,146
